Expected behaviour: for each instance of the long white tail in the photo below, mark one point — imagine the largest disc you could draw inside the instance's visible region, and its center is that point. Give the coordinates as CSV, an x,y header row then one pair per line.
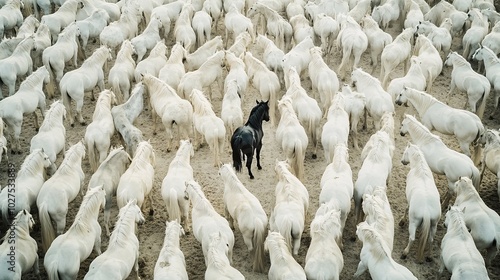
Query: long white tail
x,y
258,243
285,228
482,106
297,160
52,271
48,233
93,152
115,87
424,237
51,84
173,210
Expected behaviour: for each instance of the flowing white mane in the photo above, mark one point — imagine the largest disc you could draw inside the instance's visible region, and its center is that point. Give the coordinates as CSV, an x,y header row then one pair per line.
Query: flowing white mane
x,y
125,225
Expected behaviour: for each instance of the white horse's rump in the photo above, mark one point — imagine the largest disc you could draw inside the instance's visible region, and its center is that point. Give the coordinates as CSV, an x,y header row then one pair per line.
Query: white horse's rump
x,y
336,129
429,59
394,54
283,265
491,153
60,19
353,42
217,262
323,79
147,39
377,39
242,206
121,74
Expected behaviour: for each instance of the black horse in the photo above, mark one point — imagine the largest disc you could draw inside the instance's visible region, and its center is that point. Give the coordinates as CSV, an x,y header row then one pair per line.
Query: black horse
x,y
248,138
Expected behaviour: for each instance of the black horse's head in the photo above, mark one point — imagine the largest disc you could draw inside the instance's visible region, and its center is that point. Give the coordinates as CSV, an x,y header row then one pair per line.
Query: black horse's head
x,y
262,108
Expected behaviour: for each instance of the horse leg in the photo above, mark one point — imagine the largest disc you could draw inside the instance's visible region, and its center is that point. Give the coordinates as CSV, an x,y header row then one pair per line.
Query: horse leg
x,y
16,145
362,267
60,223
97,243
37,124
491,253
258,148
107,213
354,131
185,216
412,229
464,146
229,217
136,265
79,105
404,219
249,163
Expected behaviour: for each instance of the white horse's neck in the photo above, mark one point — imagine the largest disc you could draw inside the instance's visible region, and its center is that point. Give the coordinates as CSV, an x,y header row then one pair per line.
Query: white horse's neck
x,y
88,211
124,228
489,58
278,251
176,55
420,100
33,165
418,163
35,80
457,226
420,134
202,106
72,159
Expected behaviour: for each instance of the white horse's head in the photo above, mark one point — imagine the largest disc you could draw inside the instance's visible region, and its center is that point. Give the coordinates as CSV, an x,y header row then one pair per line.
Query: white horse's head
x,y
405,125
409,150
402,98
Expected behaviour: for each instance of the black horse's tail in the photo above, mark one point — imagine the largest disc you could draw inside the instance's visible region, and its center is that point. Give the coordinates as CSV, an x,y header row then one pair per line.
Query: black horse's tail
x,y
235,146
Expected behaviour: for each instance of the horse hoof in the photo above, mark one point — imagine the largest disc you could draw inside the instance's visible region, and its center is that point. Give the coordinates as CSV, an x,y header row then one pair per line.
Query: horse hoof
x,y
83,123
403,257
72,125
259,167
314,156
151,212
36,129
251,177
428,259
401,223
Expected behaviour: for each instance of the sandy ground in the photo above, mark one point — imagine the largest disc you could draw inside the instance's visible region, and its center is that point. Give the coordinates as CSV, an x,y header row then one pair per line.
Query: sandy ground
x,y
151,233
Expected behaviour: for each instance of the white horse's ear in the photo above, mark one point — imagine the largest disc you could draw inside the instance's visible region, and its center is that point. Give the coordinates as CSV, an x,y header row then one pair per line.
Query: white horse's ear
x,y
24,211
134,201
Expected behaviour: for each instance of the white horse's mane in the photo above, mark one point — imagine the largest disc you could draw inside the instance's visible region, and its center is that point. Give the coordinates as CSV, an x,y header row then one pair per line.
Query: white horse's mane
x,y
138,158
374,206
421,132
32,165
326,223
379,249
456,223
201,104
90,202
97,58
172,232
74,153
103,104
466,192
124,226
35,79
56,108
417,161
214,256
377,151
227,172
21,229
422,99
459,60
156,85
278,241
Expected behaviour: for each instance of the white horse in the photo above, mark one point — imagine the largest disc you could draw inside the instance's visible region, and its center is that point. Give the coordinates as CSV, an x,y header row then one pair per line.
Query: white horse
x,y
27,184
124,116
51,136
387,13
362,8
491,140
378,213
17,65
492,39
208,73
283,264
377,39
375,169
29,26
275,25
436,115
13,108
465,79
336,184
166,104
122,253
354,105
125,28
323,79
292,137
440,36
241,43
458,252
301,28
24,257
147,39
306,107
299,57
492,66
183,31
336,129
441,159
62,187
11,16
153,63
444,9
75,83
236,23
395,53
171,263
208,125
242,206
42,41
231,113
272,56
331,8
483,222
54,57
205,220
327,28
69,250
173,185
173,70
353,42
194,60
99,132
121,74
8,45
424,207
376,257
290,210
202,24
378,101
414,15
236,71
475,34
91,27
429,58
324,259
138,180
60,19
265,81
217,262
414,78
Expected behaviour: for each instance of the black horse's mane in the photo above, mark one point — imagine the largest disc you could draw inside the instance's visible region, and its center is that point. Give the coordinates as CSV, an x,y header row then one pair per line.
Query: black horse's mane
x,y
255,117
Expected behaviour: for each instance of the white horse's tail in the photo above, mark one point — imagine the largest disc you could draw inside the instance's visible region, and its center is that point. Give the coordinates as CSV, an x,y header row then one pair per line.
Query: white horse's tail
x,y
297,160
424,236
477,149
258,243
48,233
52,271
272,107
115,87
476,177
92,148
482,106
173,210
50,86
216,146
312,130
286,230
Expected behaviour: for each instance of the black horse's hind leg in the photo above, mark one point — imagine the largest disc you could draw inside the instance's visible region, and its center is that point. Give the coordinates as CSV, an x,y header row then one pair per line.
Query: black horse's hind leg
x,y
259,146
249,164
